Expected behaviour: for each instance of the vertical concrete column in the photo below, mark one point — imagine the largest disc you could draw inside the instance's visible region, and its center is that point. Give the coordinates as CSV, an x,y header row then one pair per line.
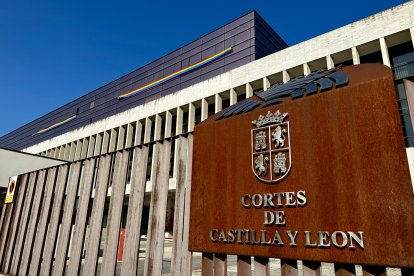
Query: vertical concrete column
x,y
113,140
105,142
147,134
249,90
355,56
56,154
384,52
306,69
204,109
62,152
91,147
138,133
409,91
329,62
218,103
72,151
52,153
286,76
78,150
67,151
266,83
412,35
179,124
233,96
191,117
129,135
84,151
157,130
121,138
168,124
98,144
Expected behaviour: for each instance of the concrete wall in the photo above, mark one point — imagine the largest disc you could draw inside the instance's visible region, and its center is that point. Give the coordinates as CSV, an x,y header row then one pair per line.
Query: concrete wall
x,y
15,163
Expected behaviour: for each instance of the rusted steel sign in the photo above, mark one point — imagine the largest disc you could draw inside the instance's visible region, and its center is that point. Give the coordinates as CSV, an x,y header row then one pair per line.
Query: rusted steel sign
x,y
319,175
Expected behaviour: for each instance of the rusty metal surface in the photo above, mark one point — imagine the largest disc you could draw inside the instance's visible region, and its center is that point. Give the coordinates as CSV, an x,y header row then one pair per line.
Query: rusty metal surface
x,y
348,154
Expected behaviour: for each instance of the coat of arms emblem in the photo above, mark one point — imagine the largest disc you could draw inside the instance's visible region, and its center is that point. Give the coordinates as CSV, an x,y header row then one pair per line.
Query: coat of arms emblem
x,y
271,154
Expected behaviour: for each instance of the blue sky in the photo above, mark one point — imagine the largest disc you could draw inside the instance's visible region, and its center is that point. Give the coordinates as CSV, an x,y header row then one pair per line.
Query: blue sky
x,y
52,52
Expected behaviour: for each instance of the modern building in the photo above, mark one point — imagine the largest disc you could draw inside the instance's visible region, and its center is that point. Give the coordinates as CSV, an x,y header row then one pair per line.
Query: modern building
x,y
258,59
169,96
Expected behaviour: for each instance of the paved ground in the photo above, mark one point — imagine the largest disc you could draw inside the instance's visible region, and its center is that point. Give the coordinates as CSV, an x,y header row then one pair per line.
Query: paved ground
x,y
327,269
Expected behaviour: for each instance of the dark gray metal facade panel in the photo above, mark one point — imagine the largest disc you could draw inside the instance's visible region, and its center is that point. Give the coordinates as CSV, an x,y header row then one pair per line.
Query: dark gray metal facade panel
x,y
249,36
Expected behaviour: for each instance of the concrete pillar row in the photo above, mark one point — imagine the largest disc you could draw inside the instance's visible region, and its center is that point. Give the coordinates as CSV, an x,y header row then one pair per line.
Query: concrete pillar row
x,y
147,133
266,83
91,146
233,96
121,138
384,52
355,56
105,142
218,103
129,135
56,155
67,152
191,117
409,91
98,145
306,69
249,90
113,140
168,124
138,133
179,125
329,62
62,152
85,146
204,109
286,76
78,150
157,130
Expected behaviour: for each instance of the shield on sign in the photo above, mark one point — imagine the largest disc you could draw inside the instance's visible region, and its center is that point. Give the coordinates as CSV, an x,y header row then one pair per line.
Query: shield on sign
x,y
271,150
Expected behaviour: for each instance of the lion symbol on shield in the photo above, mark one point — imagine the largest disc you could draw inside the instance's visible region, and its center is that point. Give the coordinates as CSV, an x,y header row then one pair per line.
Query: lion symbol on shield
x,y
261,165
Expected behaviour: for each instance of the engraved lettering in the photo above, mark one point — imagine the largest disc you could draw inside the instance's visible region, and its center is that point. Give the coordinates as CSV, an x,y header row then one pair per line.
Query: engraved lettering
x,y
212,232
277,239
308,242
324,239
292,237
344,239
359,240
